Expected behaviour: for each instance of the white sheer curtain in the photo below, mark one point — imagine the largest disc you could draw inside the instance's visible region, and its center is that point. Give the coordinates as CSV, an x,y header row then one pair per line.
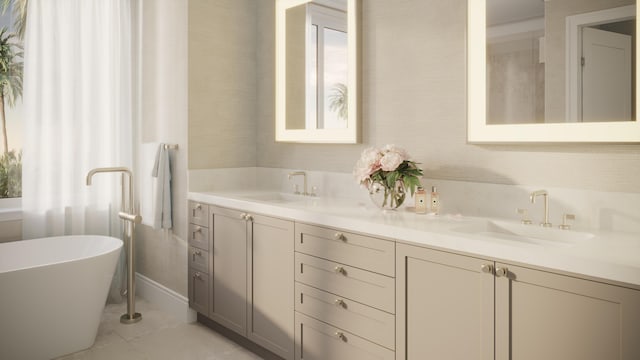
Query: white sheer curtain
x,y
77,95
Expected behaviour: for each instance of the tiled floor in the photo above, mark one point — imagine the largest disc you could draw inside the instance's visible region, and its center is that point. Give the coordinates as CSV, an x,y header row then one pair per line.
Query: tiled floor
x,y
158,336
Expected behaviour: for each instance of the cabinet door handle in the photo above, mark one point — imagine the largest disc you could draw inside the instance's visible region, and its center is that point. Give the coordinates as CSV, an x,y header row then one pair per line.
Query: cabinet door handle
x,y
243,216
340,335
197,276
249,217
339,236
487,268
340,303
198,229
502,271
340,270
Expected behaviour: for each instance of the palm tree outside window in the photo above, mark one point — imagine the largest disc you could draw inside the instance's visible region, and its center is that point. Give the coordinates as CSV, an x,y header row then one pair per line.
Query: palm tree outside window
x,y
12,26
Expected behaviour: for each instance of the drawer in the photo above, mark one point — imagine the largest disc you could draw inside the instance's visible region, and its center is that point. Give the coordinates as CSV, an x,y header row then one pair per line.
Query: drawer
x,y
199,236
199,213
369,323
316,340
199,259
361,251
356,284
199,291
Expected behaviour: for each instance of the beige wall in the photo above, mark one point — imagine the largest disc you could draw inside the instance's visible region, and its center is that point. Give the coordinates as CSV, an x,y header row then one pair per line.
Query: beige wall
x,y
162,255
222,83
414,89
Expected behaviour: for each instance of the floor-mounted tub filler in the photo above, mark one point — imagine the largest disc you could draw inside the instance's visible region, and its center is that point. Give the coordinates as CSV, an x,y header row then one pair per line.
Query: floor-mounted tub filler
x,y
52,294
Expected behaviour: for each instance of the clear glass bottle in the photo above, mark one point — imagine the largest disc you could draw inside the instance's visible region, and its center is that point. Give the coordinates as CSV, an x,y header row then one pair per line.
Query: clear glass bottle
x,y
421,200
435,201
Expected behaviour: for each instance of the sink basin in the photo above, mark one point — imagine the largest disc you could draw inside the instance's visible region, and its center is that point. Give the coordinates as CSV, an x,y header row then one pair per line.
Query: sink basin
x,y
273,197
532,234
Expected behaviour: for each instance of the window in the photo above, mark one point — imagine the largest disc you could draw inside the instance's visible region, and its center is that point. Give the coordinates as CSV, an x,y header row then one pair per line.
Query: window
x,y
11,109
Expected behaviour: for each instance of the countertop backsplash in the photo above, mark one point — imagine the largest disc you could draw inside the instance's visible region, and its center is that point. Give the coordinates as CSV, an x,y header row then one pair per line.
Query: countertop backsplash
x,y
604,211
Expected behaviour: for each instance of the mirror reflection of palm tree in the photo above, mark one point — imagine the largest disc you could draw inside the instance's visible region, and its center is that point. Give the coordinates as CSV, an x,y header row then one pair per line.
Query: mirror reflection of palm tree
x,y
338,100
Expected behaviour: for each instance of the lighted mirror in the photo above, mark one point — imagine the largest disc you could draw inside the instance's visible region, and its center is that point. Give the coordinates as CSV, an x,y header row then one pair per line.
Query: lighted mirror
x,y
317,71
552,71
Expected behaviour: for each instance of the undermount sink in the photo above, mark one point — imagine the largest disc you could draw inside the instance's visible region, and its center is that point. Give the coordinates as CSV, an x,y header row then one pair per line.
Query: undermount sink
x,y
532,234
273,197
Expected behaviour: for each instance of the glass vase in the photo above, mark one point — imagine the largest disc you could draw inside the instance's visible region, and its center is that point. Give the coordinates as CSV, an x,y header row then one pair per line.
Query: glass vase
x,y
387,198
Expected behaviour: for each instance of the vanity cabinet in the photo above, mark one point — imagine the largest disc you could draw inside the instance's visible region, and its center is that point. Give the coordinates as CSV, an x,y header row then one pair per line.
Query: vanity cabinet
x,y
251,278
345,295
542,315
445,298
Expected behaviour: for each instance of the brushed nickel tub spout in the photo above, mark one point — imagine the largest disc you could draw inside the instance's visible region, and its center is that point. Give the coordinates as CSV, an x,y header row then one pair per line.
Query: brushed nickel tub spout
x,y
128,215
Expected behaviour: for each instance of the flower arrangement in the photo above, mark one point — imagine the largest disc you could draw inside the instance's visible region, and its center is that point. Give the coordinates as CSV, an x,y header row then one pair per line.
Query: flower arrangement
x,y
391,169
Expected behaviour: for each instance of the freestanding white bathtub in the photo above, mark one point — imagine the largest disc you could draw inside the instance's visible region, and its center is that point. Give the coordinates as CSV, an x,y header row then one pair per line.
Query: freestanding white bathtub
x,y
52,294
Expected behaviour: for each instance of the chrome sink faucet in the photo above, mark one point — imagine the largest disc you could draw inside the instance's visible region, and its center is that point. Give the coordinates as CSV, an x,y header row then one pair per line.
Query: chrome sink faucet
x,y
544,193
304,175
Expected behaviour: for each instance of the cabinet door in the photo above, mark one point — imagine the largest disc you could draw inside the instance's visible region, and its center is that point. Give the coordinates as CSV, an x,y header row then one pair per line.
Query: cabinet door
x,y
229,275
270,294
445,305
541,315
199,291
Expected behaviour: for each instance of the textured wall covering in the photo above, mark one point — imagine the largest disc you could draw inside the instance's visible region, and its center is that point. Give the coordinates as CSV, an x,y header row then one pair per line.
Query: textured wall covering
x,y
414,89
163,109
222,83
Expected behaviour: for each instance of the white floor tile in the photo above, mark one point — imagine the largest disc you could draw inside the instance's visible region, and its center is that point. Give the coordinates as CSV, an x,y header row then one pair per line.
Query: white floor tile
x,y
157,336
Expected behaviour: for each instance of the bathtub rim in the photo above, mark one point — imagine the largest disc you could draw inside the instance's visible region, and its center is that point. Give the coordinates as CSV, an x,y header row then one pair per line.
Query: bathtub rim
x,y
117,245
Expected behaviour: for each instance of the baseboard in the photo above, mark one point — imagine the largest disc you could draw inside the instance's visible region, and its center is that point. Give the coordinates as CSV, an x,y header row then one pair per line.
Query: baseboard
x,y
164,298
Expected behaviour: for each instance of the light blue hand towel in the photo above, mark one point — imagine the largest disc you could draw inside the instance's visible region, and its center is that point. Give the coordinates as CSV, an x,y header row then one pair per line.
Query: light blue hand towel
x,y
162,171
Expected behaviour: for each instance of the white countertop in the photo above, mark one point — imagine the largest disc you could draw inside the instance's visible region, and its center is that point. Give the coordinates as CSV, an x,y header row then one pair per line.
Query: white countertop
x,y
607,255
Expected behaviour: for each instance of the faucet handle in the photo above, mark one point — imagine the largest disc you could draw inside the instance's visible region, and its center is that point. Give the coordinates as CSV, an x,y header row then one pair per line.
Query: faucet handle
x,y
565,218
525,216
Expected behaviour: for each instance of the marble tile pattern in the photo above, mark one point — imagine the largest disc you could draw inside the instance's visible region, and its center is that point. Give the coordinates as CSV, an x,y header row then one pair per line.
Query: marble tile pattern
x,y
158,336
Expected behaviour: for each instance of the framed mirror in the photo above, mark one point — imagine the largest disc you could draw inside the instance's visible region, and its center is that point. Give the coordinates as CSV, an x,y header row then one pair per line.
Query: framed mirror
x,y
318,71
557,71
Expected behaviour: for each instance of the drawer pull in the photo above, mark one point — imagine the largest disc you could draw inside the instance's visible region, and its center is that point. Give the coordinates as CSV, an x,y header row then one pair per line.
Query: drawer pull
x,y
196,253
340,236
341,303
196,208
500,272
198,229
340,270
197,276
340,335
